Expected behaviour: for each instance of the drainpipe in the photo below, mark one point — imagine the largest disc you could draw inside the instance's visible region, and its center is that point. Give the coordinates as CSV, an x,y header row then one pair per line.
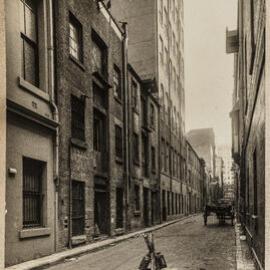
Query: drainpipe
x,y
126,117
51,86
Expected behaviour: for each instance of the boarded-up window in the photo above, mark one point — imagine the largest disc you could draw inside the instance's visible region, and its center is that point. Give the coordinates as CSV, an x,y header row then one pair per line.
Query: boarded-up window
x,y
118,142
137,197
77,118
78,208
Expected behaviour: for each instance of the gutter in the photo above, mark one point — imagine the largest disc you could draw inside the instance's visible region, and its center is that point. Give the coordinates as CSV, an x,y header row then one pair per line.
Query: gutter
x,y
126,118
51,86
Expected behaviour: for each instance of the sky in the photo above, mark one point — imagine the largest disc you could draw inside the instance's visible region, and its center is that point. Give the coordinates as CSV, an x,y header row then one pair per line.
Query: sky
x,y
208,69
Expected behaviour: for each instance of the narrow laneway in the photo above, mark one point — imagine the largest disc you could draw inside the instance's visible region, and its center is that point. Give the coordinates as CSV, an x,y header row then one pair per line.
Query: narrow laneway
x,y
185,245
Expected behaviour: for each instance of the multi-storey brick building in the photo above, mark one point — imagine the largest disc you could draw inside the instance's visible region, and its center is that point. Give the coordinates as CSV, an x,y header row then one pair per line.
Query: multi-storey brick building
x,y
90,78
196,180
144,149
248,121
156,51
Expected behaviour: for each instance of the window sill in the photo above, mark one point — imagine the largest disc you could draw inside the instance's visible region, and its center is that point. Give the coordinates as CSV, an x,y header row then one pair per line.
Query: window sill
x,y
102,78
118,100
78,240
33,89
119,160
137,213
34,232
77,62
137,163
135,110
78,143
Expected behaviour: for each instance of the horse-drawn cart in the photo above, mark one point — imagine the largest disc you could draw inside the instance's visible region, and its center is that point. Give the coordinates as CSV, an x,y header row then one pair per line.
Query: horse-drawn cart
x,y
223,211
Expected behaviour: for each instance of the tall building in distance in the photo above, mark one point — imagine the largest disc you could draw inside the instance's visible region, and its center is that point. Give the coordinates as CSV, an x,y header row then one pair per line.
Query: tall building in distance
x,y
224,151
203,141
156,51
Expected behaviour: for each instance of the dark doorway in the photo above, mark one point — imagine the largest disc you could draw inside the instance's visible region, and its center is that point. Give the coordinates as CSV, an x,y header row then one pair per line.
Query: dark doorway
x,y
164,213
119,208
101,211
145,207
78,208
153,207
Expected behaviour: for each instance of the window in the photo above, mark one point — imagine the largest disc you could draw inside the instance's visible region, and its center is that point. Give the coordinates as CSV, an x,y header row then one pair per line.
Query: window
x,y
144,154
167,163
100,97
118,142
29,41
255,185
136,158
75,38
99,131
78,208
152,115
117,83
77,118
134,92
168,203
161,11
99,55
143,112
161,50
252,36
137,197
119,208
153,158
32,192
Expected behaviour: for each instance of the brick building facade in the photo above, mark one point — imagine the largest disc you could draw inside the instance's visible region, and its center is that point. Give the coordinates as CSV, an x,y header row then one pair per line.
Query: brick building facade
x,y
248,121
156,51
89,79
195,180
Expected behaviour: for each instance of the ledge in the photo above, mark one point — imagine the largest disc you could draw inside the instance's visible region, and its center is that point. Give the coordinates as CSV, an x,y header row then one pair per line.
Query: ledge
x,y
137,213
77,62
78,240
78,143
118,100
33,89
119,231
34,232
119,160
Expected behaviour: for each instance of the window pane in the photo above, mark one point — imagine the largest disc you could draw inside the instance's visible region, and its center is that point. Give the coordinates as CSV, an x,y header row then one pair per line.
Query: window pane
x,y
22,26
96,58
30,63
74,41
30,24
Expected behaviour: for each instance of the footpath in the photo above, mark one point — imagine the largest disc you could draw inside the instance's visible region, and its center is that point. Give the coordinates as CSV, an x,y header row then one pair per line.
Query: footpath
x,y
59,257
244,259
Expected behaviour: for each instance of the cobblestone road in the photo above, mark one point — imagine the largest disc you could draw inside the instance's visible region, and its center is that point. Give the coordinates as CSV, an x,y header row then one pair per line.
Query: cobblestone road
x,y
185,245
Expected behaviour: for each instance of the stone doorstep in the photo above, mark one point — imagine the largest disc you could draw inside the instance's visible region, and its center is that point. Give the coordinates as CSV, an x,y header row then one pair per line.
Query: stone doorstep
x,y
59,257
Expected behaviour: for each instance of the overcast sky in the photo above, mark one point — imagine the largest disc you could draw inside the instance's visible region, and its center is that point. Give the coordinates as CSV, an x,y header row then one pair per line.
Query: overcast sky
x,y
208,69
